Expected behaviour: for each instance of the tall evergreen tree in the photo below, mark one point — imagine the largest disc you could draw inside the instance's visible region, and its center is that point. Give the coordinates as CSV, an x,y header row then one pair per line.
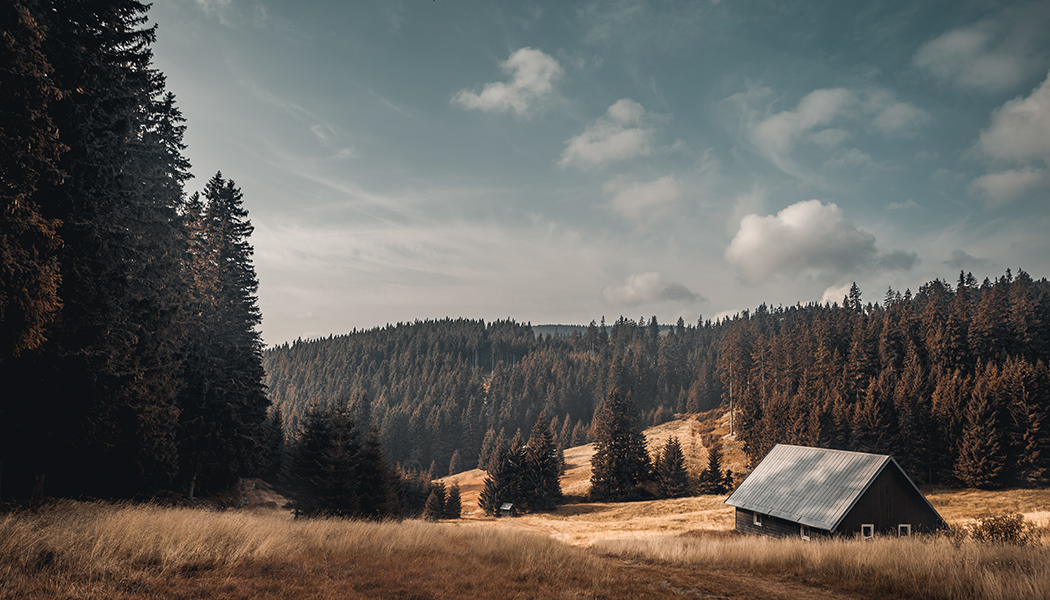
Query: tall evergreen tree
x,y
108,372
540,486
671,475
620,462
223,406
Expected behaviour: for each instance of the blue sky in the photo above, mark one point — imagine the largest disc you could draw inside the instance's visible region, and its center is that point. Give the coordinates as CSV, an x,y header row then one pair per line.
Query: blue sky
x,y
555,162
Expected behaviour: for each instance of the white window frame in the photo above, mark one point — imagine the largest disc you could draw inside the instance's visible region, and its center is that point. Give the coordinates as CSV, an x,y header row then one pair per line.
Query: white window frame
x,y
804,532
904,530
757,519
870,531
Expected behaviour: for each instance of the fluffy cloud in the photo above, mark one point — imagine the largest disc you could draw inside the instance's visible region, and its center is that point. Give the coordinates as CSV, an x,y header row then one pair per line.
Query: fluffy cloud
x,y
644,288
779,133
532,78
894,118
625,131
807,236
835,294
1018,136
994,55
645,203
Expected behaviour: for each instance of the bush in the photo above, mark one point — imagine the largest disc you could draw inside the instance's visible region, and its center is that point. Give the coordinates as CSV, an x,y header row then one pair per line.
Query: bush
x,y
1004,528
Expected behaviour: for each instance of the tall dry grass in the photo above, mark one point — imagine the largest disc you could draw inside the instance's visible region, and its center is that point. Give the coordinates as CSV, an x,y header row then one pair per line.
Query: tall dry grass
x,y
936,567
86,550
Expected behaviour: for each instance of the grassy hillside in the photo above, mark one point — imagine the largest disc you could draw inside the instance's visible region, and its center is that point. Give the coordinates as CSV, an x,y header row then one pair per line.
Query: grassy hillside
x,y
657,549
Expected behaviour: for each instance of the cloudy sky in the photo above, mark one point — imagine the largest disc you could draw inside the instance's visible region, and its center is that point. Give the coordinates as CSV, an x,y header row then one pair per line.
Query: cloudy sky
x,y
556,162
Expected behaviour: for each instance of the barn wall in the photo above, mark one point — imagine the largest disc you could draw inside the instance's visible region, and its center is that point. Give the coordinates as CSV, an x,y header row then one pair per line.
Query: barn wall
x,y
771,526
889,501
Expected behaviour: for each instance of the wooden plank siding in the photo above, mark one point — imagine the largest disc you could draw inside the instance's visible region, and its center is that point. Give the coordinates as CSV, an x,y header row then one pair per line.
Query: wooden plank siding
x,y
772,526
889,501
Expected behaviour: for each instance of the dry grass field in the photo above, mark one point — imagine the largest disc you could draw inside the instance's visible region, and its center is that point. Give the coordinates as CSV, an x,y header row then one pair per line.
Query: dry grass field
x,y
683,548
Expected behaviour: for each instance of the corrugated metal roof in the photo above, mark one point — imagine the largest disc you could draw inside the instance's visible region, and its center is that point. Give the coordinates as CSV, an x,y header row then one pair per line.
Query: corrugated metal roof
x,y
811,486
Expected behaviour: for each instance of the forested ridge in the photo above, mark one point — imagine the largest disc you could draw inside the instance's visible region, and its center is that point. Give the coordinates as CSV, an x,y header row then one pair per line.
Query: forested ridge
x,y
129,356
952,380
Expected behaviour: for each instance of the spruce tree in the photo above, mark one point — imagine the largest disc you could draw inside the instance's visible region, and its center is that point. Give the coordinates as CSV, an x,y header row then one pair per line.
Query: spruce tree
x,y
453,503
540,486
223,405
671,475
620,462
982,461
712,479
435,506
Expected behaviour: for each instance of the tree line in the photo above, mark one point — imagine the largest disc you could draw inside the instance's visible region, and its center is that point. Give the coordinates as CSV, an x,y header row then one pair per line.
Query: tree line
x,y
130,359
951,380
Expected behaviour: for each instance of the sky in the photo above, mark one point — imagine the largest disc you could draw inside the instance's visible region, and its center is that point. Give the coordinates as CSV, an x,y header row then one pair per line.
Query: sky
x,y
560,162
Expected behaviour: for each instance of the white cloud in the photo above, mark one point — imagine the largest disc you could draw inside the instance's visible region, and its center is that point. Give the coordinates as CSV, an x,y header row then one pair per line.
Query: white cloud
x,y
1019,138
779,133
645,203
1020,129
829,138
532,78
1004,187
644,288
994,55
835,294
806,236
625,131
892,117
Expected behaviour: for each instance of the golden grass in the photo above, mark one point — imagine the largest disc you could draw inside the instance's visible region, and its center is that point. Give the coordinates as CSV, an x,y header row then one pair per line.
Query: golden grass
x,y
932,567
79,550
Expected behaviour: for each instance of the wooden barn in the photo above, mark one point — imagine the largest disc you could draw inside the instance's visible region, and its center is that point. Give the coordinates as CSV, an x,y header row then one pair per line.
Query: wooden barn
x,y
797,491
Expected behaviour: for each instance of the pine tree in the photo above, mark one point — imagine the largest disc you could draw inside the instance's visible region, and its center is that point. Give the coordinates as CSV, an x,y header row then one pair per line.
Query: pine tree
x,y
620,462
30,148
453,504
108,371
435,506
982,451
540,486
672,477
712,479
223,406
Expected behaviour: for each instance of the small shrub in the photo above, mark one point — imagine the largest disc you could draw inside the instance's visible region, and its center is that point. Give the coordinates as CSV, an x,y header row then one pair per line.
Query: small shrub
x,y
1003,528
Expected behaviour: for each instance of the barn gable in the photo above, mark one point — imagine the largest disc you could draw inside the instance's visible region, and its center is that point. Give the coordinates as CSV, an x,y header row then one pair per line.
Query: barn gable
x,y
830,489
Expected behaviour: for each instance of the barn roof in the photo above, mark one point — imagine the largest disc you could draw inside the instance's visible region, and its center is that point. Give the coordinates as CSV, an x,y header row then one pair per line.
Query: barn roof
x,y
811,486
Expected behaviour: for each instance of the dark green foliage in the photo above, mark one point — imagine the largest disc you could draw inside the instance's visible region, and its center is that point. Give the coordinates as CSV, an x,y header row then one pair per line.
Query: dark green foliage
x,y
453,503
30,149
224,397
620,463
892,379
435,506
503,481
331,472
671,475
712,480
539,487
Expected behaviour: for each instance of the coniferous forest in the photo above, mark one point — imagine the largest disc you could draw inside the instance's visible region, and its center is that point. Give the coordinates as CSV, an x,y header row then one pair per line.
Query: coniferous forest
x,y
952,380
130,358
129,355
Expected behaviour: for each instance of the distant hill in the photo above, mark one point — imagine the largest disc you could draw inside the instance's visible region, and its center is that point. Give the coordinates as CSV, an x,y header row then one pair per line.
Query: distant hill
x,y
951,380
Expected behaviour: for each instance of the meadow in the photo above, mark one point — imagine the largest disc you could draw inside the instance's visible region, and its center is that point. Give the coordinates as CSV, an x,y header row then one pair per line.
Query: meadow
x,y
660,549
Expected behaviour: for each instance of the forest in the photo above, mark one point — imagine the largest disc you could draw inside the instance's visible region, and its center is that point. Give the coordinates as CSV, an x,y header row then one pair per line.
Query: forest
x,y
130,359
951,379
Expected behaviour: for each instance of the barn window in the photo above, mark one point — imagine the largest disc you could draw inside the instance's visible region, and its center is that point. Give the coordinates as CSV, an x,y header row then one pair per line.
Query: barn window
x,y
805,532
867,531
904,530
758,519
